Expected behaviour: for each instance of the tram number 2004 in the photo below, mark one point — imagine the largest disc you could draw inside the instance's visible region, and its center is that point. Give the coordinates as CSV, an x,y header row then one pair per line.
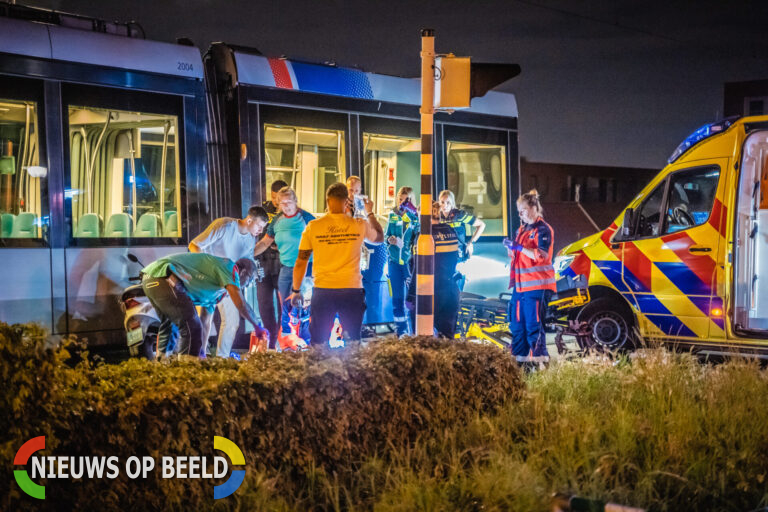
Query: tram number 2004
x,y
184,66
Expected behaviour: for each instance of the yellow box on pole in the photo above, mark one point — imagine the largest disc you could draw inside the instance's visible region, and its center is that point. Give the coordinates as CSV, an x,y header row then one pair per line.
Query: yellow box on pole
x,y
452,77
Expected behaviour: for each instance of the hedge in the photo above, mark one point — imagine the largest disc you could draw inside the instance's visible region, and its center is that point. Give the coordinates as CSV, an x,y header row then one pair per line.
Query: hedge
x,y
291,414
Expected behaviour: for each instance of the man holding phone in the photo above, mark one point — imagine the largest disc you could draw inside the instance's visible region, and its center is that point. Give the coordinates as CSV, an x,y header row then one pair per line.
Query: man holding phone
x,y
356,199
335,241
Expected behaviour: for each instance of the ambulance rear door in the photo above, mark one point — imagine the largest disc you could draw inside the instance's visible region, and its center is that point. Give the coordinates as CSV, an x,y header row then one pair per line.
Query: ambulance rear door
x,y
750,254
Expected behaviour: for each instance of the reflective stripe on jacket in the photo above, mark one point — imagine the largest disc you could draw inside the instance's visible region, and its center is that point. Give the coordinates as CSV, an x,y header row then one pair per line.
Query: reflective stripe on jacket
x,y
404,226
529,274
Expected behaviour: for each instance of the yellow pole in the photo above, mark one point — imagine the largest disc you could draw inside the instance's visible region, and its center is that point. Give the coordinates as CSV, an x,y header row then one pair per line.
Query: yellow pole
x,y
425,249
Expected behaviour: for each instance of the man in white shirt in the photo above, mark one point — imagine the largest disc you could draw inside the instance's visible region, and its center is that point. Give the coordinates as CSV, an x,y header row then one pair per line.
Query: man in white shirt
x,y
233,239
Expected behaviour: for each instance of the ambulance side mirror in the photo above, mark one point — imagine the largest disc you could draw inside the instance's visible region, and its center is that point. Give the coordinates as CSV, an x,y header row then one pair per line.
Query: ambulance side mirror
x,y
627,224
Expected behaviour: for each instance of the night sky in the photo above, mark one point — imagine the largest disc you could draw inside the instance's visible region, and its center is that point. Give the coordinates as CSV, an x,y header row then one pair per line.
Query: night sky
x,y
603,82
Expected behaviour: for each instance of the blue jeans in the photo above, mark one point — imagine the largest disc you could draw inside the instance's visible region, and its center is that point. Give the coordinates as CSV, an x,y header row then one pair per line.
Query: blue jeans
x,y
399,276
529,342
285,282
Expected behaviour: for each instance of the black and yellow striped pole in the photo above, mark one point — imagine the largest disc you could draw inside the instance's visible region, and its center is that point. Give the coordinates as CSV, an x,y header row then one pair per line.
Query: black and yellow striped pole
x,y
425,250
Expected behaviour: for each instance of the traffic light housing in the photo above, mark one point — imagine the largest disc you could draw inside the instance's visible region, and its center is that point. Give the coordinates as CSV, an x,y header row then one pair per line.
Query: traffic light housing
x,y
458,80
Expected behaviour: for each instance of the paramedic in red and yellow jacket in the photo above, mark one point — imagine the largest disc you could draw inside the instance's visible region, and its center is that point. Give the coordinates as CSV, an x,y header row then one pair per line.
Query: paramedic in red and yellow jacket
x,y
533,278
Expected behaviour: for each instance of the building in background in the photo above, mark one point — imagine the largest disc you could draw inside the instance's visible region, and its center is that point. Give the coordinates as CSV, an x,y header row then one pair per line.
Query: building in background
x,y
582,199
746,98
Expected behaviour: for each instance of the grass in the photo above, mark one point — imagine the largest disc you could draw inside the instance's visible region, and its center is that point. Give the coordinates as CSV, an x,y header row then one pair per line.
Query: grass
x,y
659,431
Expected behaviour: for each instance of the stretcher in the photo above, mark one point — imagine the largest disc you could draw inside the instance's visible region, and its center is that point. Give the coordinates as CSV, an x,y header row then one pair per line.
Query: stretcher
x,y
484,320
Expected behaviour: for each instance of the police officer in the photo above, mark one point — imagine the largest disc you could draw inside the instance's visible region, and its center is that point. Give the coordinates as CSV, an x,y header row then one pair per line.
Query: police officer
x,y
533,278
446,290
463,222
269,263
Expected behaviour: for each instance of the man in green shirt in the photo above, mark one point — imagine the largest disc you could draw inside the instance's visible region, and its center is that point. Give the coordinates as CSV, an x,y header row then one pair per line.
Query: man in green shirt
x,y
177,283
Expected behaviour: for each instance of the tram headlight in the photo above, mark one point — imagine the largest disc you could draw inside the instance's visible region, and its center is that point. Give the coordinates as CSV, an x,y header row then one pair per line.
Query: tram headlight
x,y
563,262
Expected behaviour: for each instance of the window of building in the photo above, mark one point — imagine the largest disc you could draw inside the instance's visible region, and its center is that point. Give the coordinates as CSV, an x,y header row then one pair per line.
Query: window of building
x,y
690,198
308,159
755,106
477,176
391,163
125,174
21,208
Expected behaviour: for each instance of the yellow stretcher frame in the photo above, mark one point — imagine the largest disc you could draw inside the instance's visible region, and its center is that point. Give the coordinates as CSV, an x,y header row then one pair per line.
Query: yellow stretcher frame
x,y
489,334
574,301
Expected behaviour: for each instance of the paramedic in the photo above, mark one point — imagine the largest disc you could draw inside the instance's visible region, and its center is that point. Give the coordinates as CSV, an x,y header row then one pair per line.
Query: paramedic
x,y
402,229
232,239
533,279
177,283
335,241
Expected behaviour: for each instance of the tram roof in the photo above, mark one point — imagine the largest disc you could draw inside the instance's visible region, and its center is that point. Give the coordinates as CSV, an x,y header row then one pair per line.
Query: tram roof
x,y
48,41
52,42
353,83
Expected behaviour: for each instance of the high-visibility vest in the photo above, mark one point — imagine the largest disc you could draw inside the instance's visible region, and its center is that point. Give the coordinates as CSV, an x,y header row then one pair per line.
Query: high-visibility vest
x,y
529,274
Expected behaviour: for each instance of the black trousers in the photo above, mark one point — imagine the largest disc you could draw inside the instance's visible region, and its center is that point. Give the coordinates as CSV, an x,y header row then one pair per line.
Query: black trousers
x,y
349,303
174,306
446,300
266,294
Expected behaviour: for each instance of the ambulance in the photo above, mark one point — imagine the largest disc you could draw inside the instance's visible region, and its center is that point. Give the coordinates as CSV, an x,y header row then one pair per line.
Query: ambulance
x,y
686,263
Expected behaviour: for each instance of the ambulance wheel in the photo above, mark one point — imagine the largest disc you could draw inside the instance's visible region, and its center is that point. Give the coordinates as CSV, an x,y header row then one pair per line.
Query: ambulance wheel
x,y
609,328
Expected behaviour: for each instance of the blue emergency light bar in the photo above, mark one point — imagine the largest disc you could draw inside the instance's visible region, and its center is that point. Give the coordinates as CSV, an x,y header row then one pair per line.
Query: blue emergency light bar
x,y
701,134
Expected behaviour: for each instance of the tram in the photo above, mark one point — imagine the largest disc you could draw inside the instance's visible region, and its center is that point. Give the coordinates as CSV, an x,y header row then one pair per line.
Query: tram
x,y
113,144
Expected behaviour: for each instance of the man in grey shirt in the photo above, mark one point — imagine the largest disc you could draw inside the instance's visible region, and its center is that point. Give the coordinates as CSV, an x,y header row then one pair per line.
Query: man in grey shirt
x,y
233,239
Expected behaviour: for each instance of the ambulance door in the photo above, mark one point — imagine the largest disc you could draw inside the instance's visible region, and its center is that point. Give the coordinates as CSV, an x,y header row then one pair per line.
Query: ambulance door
x,y
749,305
671,263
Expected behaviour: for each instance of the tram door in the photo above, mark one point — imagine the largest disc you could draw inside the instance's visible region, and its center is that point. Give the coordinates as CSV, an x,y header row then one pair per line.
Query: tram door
x,y
390,164
485,184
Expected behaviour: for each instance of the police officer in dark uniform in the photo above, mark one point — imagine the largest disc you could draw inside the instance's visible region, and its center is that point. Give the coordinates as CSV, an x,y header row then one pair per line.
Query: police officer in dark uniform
x,y
463,223
269,263
446,291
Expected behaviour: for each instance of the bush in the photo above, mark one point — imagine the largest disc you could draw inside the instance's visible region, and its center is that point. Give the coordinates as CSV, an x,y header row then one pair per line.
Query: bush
x,y
295,416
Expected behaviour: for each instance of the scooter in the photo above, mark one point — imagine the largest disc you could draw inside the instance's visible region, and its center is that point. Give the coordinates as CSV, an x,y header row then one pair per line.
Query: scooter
x,y
141,320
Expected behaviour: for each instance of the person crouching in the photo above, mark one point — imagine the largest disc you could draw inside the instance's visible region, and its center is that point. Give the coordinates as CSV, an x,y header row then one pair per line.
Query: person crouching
x,y
177,283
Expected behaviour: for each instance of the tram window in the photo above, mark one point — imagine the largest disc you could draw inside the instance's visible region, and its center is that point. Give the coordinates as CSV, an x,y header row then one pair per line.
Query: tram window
x,y
476,175
21,207
124,174
308,159
390,164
